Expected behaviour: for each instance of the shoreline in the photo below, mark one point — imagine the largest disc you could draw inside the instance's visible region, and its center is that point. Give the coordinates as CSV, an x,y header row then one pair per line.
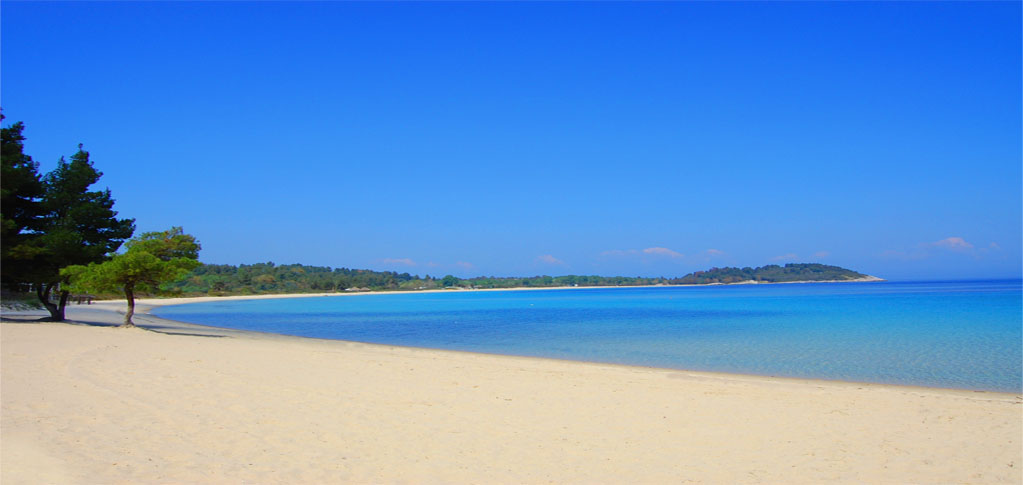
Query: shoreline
x,y
204,330
145,306
173,402
154,302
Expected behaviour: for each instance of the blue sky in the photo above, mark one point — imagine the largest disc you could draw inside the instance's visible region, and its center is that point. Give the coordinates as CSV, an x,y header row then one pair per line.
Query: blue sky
x,y
542,138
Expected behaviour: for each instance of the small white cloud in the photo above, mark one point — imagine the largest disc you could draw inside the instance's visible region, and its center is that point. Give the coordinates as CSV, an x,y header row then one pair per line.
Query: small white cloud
x,y
548,259
402,261
821,254
714,252
785,257
987,250
663,252
953,243
432,264
465,265
947,246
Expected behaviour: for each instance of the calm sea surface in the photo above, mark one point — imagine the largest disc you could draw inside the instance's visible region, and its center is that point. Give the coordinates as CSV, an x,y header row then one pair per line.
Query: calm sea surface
x,y
965,335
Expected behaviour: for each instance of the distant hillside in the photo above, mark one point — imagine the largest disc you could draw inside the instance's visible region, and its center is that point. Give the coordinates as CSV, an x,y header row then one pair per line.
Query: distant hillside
x,y
269,278
772,274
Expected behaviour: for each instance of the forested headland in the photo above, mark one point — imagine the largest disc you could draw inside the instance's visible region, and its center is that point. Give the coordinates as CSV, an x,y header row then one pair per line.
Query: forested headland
x,y
269,278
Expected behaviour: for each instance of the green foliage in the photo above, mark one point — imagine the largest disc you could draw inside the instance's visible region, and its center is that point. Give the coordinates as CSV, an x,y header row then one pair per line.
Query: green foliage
x,y
449,281
267,278
53,221
20,207
151,259
770,274
79,225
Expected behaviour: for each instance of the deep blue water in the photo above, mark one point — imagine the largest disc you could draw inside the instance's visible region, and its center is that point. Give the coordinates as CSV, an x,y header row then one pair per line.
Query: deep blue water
x,y
964,334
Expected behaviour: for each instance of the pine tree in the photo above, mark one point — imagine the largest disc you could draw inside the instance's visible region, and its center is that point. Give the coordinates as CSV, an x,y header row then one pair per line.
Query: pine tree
x,y
79,226
20,208
151,259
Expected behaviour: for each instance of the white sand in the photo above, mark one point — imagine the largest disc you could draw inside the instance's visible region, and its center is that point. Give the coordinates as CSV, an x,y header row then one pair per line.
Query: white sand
x,y
185,404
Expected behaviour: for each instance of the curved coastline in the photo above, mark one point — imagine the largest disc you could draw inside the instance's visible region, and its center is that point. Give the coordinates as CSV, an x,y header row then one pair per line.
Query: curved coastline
x,y
169,325
199,404
146,304
114,313
945,375
752,371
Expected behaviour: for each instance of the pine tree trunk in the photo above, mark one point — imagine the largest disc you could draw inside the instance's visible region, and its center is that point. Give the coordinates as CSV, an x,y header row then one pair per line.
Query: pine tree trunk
x,y
64,296
56,310
129,293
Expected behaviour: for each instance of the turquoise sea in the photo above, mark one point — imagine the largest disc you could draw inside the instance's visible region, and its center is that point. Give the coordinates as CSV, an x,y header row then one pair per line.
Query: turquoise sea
x,y
959,334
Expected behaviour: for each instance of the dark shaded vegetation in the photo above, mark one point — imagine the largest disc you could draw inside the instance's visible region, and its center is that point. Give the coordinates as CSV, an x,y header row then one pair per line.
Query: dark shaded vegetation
x,y
51,221
771,274
266,278
252,279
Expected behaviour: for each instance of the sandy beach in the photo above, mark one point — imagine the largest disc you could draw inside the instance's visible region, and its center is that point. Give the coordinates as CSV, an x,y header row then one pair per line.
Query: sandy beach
x,y
86,402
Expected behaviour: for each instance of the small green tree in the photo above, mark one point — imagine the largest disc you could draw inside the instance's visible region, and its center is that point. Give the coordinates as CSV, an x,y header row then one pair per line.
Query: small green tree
x,y
449,281
151,259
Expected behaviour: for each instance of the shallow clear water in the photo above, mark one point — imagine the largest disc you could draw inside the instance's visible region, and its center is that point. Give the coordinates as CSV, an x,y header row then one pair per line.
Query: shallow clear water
x,y
945,334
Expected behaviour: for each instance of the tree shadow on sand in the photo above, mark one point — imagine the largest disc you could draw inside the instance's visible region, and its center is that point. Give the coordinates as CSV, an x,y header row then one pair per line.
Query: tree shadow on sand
x,y
150,327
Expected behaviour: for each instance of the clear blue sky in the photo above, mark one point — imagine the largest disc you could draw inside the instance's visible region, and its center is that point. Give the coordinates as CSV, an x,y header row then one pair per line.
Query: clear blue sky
x,y
542,138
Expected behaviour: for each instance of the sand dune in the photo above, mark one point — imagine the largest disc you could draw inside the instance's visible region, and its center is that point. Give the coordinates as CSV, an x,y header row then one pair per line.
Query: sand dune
x,y
177,403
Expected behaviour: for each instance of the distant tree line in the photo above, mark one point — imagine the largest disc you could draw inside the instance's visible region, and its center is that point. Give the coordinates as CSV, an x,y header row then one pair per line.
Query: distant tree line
x,y
267,278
